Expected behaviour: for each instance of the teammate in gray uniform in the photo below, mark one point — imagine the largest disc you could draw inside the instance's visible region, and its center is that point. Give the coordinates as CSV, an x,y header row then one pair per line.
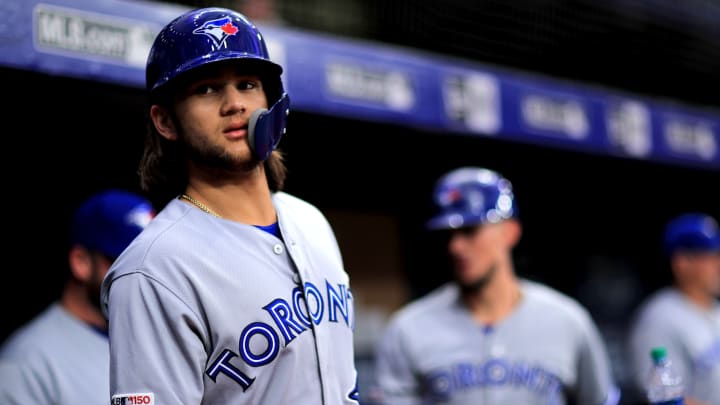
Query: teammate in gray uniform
x,y
61,356
490,337
685,316
236,293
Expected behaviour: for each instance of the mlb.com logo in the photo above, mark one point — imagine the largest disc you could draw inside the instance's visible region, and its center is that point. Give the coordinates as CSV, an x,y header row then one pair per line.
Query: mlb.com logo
x,y
133,399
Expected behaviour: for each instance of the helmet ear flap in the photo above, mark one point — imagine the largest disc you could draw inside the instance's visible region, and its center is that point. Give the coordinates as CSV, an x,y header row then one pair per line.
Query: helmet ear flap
x,y
252,132
266,127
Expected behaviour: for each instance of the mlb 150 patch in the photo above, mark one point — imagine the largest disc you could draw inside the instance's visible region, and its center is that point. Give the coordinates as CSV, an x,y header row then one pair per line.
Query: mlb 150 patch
x,y
147,398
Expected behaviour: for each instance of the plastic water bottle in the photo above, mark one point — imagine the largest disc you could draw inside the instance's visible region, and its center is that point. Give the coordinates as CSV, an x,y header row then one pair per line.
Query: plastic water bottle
x,y
665,386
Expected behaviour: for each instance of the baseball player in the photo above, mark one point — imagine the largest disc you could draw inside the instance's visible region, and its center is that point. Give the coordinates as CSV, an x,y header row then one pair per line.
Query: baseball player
x,y
236,293
685,316
61,356
490,337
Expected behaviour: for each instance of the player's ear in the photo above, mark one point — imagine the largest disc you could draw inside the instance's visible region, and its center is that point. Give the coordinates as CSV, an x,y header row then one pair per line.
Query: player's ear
x,y
80,262
163,122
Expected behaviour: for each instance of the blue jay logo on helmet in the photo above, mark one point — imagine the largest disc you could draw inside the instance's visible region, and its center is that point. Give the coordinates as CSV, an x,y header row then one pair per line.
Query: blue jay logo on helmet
x,y
218,30
449,196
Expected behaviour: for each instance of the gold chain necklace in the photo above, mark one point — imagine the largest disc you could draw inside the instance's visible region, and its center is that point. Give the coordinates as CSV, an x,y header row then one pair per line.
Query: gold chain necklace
x,y
200,205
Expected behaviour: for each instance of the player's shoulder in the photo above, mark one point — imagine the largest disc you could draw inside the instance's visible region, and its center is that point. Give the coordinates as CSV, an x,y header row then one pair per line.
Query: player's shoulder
x,y
440,299
156,229
545,293
553,300
176,224
32,337
301,217
662,298
289,202
665,303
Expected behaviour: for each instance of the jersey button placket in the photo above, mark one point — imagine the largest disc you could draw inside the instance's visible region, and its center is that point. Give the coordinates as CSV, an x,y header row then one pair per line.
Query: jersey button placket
x,y
278,249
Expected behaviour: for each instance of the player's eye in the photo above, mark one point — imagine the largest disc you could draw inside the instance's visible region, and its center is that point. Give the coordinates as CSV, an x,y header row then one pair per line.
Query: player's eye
x,y
203,88
466,232
444,236
247,84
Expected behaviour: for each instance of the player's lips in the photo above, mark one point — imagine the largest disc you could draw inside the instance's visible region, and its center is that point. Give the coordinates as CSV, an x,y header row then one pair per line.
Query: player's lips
x,y
235,131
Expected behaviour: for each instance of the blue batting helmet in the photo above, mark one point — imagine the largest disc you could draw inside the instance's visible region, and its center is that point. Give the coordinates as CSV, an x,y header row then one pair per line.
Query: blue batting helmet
x,y
694,231
470,196
215,34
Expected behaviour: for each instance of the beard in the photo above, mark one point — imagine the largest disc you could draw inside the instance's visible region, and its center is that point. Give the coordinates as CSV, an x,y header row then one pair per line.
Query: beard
x,y
93,287
93,292
211,156
477,285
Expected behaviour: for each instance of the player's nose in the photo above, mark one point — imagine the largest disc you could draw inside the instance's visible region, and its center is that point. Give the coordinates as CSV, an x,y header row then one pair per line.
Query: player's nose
x,y
234,101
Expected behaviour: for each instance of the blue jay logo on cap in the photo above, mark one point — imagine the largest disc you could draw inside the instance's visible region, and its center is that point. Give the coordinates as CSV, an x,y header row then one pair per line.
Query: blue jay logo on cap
x,y
139,216
709,227
218,30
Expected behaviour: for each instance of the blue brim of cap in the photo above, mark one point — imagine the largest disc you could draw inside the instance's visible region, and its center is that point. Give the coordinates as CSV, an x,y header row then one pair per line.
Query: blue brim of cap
x,y
709,245
714,244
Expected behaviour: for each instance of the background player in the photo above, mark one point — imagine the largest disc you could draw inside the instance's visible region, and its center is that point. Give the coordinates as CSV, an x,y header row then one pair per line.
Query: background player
x,y
61,356
490,337
236,293
685,316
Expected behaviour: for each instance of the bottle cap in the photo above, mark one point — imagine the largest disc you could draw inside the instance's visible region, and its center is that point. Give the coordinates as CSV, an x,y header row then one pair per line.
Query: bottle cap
x,y
658,353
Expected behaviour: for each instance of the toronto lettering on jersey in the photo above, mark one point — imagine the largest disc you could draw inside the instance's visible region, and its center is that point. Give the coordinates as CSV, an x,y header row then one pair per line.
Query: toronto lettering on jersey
x,y
494,372
289,319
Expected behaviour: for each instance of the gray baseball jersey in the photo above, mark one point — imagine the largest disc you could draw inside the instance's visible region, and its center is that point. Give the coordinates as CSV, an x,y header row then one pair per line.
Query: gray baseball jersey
x,y
204,310
54,359
546,351
691,336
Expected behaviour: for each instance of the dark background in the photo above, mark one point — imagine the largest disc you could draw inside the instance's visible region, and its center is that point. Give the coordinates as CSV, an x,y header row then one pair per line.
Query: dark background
x,y
592,224
663,48
656,47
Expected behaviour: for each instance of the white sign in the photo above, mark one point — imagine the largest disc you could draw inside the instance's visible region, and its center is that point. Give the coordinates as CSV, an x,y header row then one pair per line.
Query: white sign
x,y
690,137
629,127
392,89
92,36
551,114
474,100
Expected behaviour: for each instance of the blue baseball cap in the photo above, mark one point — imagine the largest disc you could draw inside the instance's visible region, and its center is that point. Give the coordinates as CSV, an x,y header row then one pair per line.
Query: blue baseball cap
x,y
693,232
108,221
